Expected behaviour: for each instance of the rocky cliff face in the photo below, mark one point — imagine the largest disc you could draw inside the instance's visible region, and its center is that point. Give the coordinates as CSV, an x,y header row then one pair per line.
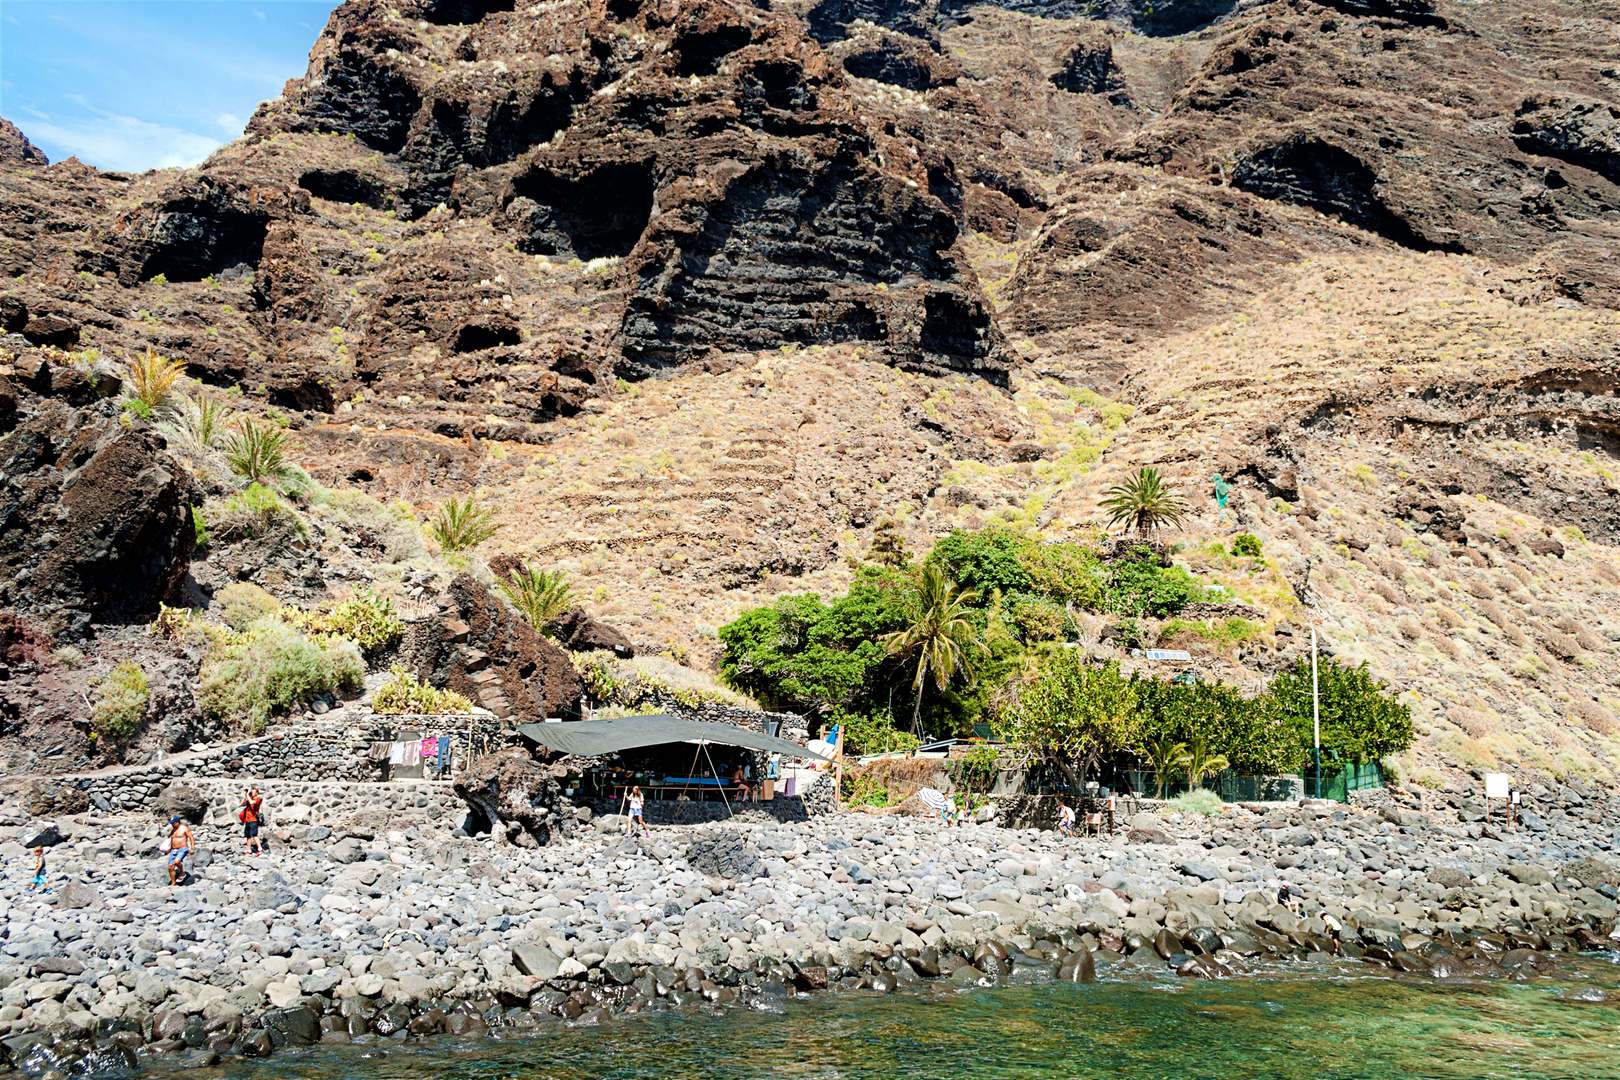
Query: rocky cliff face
x,y
696,292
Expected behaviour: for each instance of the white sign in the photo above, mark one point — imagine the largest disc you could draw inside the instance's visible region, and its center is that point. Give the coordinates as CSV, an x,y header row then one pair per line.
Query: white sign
x,y
1496,785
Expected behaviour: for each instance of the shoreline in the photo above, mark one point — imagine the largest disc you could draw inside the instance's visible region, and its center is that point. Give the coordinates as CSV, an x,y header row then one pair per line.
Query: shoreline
x,y
353,930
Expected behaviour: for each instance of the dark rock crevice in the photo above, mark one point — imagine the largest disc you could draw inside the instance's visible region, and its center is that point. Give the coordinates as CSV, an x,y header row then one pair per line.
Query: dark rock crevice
x,y
598,212
1309,171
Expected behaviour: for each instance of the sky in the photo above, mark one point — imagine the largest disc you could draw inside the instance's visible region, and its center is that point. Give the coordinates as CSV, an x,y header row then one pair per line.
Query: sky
x,y
147,84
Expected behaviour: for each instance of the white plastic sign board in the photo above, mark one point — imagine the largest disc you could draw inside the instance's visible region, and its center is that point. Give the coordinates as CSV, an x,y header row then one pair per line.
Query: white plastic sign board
x,y
1496,785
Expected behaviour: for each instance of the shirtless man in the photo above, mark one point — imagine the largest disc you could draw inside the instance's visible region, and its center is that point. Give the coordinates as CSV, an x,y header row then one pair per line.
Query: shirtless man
x,y
181,842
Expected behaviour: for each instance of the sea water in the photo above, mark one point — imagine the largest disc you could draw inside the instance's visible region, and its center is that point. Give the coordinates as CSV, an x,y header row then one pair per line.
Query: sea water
x,y
1310,1024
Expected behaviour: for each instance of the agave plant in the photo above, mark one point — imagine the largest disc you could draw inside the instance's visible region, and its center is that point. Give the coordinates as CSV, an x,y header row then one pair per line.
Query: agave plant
x,y
1164,755
462,524
255,453
150,379
542,595
1144,502
1201,762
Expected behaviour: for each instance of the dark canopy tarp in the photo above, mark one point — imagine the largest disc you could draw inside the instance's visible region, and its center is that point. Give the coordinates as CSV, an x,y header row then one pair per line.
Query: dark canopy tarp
x,y
593,738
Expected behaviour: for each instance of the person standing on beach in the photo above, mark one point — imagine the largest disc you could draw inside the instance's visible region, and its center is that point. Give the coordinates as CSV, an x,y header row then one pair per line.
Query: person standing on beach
x,y
1065,818
250,815
637,804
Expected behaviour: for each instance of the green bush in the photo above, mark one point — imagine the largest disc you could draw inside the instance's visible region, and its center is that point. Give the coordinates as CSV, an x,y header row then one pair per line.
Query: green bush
x,y
365,618
253,513
543,596
1246,545
862,790
405,693
256,452
250,676
804,654
976,770
120,702
1138,586
1036,619
596,672
989,560
873,734
1200,801
242,603
462,525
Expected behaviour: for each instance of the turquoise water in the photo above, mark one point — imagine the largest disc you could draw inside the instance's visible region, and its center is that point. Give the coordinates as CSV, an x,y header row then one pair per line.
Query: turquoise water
x,y
1321,1026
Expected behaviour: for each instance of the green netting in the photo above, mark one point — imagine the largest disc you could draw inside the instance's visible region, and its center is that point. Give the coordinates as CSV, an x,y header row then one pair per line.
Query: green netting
x,y
1339,779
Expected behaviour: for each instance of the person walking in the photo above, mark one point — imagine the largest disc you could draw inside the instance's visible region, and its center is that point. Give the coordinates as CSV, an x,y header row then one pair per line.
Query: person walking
x,y
38,884
637,805
250,815
1065,819
181,841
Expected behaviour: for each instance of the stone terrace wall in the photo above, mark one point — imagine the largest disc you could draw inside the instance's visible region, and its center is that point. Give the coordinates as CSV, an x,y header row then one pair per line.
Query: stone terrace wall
x,y
328,750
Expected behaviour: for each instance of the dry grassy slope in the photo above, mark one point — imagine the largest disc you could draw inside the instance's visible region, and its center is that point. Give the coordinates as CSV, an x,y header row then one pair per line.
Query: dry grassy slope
x,y
1508,656
681,501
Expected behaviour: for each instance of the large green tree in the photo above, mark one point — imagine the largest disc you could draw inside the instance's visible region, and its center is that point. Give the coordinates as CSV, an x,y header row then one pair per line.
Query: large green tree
x,y
939,635
1072,713
1361,719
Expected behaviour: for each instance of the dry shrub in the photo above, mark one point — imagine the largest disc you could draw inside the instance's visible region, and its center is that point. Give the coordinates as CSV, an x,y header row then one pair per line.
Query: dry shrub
x,y
1473,722
1524,576
1587,639
1391,568
1562,646
1448,646
1480,589
903,776
1594,716
1447,617
1409,628
1388,592
1608,572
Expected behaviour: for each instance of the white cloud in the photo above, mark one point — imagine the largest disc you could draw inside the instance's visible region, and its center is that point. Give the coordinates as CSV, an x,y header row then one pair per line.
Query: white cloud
x,y
230,124
123,143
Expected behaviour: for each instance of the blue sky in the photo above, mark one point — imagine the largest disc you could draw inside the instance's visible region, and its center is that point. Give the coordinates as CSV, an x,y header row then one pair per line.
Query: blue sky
x,y
146,84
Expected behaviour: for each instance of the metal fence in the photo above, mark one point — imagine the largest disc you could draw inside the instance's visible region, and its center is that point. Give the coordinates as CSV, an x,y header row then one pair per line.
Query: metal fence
x,y
1335,783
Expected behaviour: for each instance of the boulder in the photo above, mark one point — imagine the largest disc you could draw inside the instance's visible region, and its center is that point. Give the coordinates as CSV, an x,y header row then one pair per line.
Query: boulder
x,y
725,854
515,796
480,647
184,800
581,632
113,531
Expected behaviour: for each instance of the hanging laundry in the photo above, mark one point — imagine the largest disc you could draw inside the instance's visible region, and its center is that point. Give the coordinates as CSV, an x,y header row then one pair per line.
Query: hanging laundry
x,y
413,754
378,751
429,748
444,753
396,753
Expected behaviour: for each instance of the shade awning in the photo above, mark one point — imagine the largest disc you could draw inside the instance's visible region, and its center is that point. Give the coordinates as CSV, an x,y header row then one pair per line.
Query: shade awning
x,y
593,738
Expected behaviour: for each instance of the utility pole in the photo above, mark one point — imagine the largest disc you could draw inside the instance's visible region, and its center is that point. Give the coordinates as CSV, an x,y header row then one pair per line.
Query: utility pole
x,y
1316,720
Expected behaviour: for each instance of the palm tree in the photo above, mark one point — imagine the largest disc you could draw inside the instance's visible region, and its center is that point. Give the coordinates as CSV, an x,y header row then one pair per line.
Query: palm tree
x,y
463,524
1200,762
939,633
542,595
255,453
1144,503
1165,755
151,381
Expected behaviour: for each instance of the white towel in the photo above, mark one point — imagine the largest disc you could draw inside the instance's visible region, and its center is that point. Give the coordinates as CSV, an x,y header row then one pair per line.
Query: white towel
x,y
396,754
